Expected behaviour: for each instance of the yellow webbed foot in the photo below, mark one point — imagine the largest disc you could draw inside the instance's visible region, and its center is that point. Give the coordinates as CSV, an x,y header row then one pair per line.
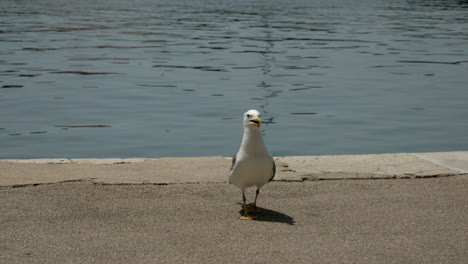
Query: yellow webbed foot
x,y
248,217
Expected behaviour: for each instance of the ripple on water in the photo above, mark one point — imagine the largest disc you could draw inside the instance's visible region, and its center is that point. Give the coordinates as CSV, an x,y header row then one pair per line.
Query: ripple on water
x,y
434,62
12,86
82,126
102,59
416,108
300,89
84,72
202,68
158,85
29,75
245,67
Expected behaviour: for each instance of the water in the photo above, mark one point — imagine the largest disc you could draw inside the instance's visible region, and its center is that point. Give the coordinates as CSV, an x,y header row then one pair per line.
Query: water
x,y
159,78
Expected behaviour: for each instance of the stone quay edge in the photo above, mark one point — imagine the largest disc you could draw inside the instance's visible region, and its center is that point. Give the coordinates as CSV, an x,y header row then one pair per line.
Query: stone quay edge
x,y
17,173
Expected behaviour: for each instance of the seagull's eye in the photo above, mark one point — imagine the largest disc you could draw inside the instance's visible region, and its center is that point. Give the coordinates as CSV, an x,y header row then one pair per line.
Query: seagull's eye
x,y
248,116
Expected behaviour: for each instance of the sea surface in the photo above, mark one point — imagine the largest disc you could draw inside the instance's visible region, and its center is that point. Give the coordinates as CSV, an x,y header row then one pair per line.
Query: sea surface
x,y
160,78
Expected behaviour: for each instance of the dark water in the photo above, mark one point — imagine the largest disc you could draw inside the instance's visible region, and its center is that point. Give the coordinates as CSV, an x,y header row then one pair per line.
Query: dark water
x,y
159,78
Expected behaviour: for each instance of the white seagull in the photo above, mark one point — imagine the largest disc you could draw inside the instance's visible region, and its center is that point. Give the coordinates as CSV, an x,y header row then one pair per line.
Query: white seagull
x,y
252,165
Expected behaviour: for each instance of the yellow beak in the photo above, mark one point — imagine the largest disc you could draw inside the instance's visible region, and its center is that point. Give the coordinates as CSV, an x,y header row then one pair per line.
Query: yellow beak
x,y
256,121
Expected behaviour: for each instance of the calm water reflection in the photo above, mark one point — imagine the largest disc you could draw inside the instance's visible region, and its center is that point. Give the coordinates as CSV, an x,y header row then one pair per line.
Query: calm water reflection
x,y
142,78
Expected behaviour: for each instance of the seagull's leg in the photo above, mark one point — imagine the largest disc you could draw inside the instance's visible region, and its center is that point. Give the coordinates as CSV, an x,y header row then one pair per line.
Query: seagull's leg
x,y
246,215
253,208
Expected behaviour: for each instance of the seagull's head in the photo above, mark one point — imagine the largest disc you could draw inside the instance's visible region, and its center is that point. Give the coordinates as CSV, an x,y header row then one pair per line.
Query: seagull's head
x,y
252,119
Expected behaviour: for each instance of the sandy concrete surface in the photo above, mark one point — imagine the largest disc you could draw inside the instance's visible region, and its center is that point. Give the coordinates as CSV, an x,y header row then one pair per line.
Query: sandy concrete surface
x,y
215,169
420,220
387,208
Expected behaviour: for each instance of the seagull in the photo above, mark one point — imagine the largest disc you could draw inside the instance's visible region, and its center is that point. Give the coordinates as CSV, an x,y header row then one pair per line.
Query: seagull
x,y
252,165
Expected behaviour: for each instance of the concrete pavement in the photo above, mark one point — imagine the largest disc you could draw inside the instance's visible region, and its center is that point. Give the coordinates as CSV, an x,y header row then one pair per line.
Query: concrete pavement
x,y
348,221
183,211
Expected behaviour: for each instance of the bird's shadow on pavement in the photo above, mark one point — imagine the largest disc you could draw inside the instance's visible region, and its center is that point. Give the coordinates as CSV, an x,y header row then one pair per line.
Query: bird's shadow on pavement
x,y
267,215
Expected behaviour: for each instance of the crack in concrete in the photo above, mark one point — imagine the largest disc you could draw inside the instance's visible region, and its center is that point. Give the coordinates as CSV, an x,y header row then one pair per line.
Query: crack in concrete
x,y
165,171
48,183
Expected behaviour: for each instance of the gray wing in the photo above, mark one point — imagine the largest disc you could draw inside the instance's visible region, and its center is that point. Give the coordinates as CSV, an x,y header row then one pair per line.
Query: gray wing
x,y
234,158
274,171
